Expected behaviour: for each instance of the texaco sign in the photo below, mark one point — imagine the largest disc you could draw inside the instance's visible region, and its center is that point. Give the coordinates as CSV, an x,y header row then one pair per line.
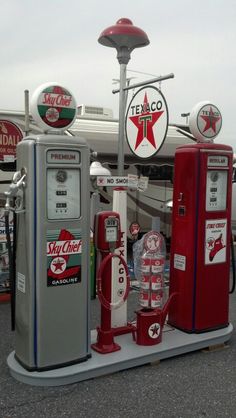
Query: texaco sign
x,y
146,122
205,121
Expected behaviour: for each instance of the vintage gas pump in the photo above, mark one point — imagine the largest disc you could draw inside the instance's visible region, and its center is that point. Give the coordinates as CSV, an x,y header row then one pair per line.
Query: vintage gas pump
x,y
52,245
107,234
201,231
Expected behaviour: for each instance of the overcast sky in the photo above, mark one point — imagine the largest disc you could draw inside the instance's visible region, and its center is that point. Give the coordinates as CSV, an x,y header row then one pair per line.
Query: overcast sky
x,y
56,40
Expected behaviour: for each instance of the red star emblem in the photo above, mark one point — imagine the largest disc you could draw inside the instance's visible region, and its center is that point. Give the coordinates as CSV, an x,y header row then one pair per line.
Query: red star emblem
x,y
145,123
155,330
211,121
100,181
58,265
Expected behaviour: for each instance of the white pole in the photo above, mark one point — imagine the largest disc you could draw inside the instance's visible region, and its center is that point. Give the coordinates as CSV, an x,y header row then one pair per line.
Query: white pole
x,y
119,316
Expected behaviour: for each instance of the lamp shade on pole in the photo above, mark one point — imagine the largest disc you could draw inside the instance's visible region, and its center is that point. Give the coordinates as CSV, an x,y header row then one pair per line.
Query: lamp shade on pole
x,y
123,36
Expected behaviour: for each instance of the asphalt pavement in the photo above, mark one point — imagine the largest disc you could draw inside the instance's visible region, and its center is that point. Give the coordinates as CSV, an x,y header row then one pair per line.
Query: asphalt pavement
x,y
195,385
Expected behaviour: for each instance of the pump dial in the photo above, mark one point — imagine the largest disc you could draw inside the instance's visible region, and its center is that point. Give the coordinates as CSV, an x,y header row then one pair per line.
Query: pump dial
x,y
61,176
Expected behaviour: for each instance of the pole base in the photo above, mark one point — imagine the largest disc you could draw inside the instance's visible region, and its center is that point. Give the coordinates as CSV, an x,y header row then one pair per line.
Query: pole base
x,y
105,342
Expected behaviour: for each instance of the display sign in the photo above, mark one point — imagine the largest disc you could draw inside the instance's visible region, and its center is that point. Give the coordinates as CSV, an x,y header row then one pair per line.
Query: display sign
x,y
147,122
53,107
205,121
10,136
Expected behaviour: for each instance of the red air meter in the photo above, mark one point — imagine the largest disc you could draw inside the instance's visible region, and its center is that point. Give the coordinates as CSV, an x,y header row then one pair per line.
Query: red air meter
x,y
107,236
201,232
107,231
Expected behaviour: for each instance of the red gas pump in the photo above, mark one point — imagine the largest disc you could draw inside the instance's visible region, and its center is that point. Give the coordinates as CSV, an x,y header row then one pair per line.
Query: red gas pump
x,y
201,231
107,235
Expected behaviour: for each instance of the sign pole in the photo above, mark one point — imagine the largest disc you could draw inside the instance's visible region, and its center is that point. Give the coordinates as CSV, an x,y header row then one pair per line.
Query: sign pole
x,y
121,119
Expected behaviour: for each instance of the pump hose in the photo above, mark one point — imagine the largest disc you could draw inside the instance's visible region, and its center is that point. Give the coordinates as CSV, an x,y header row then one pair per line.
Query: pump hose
x,y
233,264
106,303
11,269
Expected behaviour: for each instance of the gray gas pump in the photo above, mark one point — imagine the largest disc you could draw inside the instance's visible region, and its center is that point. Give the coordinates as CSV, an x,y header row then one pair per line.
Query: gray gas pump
x,y
52,251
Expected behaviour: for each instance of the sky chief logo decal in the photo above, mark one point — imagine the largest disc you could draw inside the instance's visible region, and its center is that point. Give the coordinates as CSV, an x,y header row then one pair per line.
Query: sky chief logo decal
x,y
53,106
205,121
63,257
147,122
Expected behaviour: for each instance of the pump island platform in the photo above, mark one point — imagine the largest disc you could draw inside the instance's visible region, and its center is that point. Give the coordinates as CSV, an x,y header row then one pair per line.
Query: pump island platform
x,y
174,343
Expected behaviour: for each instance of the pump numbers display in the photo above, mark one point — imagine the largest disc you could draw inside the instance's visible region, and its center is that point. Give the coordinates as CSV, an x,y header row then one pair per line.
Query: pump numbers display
x,y
216,190
63,193
111,226
61,205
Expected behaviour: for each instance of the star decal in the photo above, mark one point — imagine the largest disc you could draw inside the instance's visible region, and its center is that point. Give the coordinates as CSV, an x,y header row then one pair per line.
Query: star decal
x,y
211,121
145,122
155,330
100,181
58,264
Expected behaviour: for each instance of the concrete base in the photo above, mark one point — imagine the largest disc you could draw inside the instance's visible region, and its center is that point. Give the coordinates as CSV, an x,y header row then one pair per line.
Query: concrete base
x,y
174,343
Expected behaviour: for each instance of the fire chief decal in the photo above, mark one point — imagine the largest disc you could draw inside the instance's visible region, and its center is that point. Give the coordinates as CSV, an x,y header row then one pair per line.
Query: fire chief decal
x,y
63,257
215,245
146,122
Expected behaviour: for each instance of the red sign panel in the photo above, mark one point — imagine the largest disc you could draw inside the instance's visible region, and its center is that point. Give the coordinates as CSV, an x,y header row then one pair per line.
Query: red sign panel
x,y
10,135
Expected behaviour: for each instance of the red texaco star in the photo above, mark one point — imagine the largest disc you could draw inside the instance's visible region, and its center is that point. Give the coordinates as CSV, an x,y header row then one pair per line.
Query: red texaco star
x,y
58,265
145,123
210,120
155,330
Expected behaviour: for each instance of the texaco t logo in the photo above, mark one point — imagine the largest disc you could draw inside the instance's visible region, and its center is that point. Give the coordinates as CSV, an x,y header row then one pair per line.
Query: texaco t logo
x,y
146,122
